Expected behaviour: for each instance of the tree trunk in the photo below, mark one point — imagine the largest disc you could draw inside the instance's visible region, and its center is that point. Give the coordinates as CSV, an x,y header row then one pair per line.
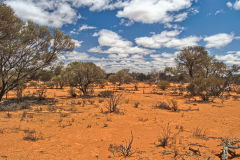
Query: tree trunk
x,y
2,94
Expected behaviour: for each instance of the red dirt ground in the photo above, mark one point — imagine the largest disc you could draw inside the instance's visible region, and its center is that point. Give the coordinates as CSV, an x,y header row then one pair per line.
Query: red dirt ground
x,y
72,130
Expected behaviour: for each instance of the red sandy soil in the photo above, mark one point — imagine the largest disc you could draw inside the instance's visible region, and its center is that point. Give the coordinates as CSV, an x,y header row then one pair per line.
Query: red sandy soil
x,y
72,130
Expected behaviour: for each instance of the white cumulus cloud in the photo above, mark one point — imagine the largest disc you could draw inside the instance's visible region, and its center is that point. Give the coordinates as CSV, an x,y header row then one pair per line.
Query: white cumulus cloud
x,y
49,13
116,44
167,39
86,27
218,40
155,11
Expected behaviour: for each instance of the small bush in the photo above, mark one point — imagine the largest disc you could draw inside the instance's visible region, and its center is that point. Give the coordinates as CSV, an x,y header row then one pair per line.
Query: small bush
x,y
163,105
113,102
165,136
173,104
163,85
41,91
50,84
31,135
199,133
33,84
72,92
136,104
106,94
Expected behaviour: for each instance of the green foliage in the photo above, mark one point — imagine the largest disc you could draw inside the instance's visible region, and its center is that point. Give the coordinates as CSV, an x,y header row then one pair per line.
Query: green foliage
x,y
207,77
163,85
123,76
83,74
72,92
106,94
26,48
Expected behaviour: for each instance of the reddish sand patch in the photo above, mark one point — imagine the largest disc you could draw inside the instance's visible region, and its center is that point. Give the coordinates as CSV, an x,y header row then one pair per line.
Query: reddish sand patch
x,y
74,129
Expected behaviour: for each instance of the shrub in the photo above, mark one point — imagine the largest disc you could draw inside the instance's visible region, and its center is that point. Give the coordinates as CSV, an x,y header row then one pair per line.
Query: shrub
x,y
31,135
165,136
173,104
106,94
163,85
72,92
206,87
41,91
33,84
163,105
113,102
136,104
199,132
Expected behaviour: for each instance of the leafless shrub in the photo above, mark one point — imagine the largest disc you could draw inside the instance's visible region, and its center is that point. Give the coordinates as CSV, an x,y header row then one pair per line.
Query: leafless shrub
x,y
64,115
165,136
236,97
100,101
41,91
123,150
199,133
113,102
173,105
9,115
72,92
136,104
91,102
32,135
229,148
126,150
23,116
51,108
163,105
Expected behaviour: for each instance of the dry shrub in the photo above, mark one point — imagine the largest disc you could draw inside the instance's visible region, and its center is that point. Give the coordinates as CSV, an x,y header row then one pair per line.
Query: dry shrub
x,y
163,85
136,104
113,102
32,135
122,150
165,137
41,91
163,105
106,94
72,92
199,133
173,105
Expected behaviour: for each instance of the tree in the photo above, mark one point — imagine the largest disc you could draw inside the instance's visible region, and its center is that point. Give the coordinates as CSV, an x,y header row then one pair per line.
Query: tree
x,y
83,74
26,48
207,77
122,76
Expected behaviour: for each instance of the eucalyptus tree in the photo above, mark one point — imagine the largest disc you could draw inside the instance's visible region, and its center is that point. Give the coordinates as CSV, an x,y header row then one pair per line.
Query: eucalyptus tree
x,y
26,48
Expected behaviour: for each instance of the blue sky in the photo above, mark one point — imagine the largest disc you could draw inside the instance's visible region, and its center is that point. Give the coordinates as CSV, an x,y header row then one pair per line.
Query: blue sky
x,y
141,35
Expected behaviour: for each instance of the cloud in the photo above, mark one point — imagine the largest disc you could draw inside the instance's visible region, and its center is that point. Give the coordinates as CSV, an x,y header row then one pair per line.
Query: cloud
x,y
49,13
116,44
218,40
86,27
167,39
155,11
98,5
126,23
235,5
218,12
77,43
233,57
229,4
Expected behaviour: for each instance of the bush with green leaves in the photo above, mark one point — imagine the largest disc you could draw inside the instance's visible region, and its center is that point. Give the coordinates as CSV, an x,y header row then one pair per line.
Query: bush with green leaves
x,y
206,76
163,85
82,75
105,94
